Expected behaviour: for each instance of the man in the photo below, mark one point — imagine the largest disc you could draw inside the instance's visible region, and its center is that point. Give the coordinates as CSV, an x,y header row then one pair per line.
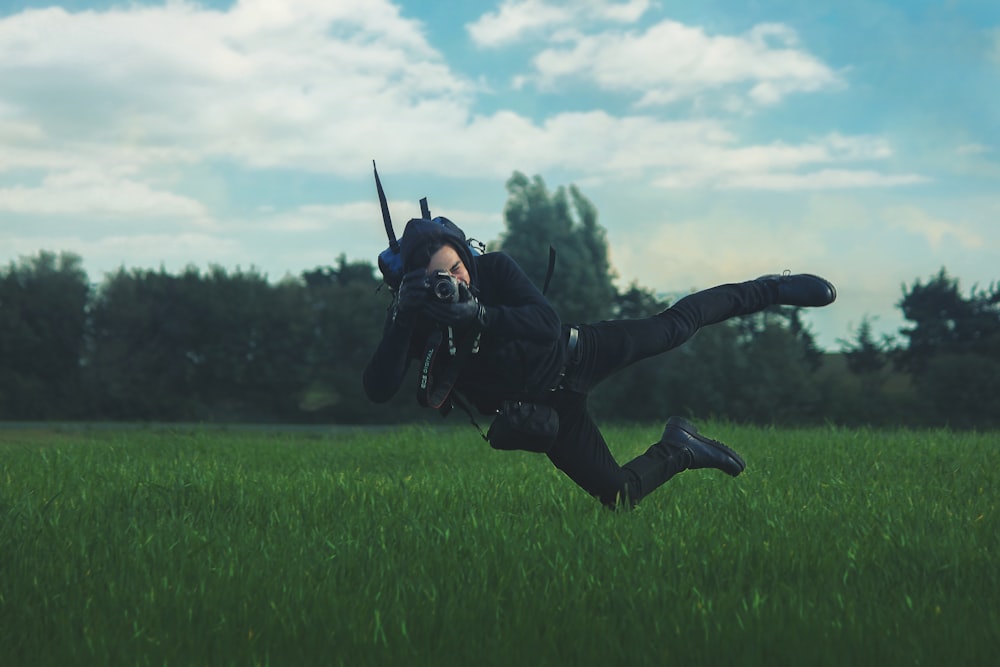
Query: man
x,y
507,350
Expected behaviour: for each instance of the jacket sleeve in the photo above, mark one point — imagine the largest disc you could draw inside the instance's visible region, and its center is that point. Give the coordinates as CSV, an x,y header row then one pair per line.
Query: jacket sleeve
x,y
388,364
515,308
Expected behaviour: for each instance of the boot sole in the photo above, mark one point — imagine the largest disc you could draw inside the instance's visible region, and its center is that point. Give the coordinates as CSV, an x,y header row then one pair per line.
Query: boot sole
x,y
690,429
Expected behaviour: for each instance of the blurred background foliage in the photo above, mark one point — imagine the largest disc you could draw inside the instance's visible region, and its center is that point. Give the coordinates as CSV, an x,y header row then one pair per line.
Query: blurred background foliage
x,y
221,346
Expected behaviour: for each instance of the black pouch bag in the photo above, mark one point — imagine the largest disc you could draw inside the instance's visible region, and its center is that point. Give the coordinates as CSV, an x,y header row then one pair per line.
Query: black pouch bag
x,y
529,426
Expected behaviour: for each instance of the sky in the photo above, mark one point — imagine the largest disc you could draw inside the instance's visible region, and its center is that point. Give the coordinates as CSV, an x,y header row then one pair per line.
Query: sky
x,y
855,139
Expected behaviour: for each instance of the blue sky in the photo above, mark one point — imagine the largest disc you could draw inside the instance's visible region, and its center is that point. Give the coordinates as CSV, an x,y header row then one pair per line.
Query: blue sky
x,y
718,140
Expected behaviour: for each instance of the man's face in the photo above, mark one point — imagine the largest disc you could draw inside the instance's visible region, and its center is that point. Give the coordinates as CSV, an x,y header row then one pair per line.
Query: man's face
x,y
447,259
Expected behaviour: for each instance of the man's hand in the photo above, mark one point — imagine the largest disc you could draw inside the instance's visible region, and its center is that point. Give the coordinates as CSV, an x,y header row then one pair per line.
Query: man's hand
x,y
467,310
412,297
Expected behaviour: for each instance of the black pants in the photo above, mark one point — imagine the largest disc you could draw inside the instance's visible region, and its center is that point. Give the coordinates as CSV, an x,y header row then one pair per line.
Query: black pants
x,y
580,450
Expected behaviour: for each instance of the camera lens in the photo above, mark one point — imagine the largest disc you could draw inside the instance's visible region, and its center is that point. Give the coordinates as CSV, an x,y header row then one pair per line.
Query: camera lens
x,y
446,288
443,286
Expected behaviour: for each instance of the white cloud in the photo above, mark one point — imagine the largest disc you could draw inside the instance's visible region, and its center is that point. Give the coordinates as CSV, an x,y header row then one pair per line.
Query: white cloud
x,y
514,19
312,218
824,179
821,163
354,229
934,231
696,254
17,131
175,250
841,236
89,194
264,83
106,102
517,19
102,113
671,61
973,149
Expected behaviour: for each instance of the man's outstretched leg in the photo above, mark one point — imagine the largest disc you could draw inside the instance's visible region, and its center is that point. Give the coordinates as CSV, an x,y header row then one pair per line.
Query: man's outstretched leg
x,y
607,347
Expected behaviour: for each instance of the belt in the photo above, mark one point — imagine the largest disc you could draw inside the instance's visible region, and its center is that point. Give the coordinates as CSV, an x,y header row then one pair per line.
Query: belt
x,y
572,342
574,339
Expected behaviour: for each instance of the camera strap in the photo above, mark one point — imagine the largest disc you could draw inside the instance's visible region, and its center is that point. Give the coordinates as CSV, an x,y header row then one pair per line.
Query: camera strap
x,y
437,376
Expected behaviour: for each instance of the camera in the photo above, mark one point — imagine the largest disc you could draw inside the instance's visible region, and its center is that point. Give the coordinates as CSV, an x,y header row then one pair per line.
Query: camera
x,y
443,286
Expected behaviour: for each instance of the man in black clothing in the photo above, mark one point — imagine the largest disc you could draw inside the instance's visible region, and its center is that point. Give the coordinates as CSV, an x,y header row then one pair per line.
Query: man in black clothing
x,y
506,344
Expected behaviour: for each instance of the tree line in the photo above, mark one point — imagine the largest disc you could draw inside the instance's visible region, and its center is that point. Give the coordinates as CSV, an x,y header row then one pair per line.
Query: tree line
x,y
225,346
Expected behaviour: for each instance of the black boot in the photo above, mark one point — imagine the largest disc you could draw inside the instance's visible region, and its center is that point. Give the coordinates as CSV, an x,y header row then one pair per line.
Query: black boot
x,y
681,448
697,451
650,470
800,289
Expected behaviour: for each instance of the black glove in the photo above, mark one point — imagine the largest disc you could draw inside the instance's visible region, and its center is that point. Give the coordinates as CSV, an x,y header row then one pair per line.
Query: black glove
x,y
467,310
413,295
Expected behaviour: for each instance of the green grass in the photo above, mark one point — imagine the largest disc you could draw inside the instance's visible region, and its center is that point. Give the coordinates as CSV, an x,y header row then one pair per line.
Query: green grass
x,y
425,547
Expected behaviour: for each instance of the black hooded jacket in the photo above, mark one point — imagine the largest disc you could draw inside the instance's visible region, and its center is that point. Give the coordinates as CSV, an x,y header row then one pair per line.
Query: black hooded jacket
x,y
522,349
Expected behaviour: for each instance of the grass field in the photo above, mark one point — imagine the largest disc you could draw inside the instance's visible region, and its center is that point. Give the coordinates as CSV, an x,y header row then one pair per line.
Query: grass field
x,y
413,546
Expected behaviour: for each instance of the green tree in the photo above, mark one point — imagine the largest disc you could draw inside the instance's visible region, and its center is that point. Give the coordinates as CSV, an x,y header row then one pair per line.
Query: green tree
x,y
961,390
753,369
581,289
245,342
217,346
141,364
346,313
637,302
943,320
953,350
221,346
865,355
43,313
861,395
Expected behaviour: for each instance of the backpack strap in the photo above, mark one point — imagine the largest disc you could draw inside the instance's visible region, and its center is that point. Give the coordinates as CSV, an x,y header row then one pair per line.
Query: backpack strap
x,y
386,220
550,270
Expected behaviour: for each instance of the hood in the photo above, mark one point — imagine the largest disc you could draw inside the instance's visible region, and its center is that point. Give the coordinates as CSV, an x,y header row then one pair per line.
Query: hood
x,y
419,232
